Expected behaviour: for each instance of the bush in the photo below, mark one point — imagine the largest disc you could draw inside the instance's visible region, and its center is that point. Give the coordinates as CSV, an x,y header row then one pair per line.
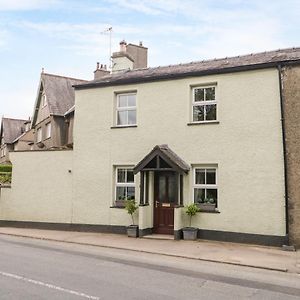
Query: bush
x,y
5,168
5,177
191,211
131,207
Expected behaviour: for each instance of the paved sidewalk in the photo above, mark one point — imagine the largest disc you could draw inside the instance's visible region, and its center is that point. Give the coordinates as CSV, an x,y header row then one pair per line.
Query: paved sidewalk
x,y
230,253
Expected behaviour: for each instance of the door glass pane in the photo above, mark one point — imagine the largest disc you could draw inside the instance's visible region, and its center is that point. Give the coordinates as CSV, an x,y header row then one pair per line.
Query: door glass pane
x,y
199,95
121,193
200,176
122,117
172,189
198,113
161,189
211,176
130,193
122,101
210,94
211,112
131,100
212,195
199,195
132,117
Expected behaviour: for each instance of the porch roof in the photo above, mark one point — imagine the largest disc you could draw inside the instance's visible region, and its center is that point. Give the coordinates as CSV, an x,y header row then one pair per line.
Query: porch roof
x,y
169,156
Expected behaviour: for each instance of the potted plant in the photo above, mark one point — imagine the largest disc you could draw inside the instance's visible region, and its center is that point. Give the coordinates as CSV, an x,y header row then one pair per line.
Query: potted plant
x,y
208,205
131,207
190,233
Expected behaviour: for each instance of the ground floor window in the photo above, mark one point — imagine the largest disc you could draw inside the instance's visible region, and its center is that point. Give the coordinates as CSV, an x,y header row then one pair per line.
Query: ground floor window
x,y
205,188
124,185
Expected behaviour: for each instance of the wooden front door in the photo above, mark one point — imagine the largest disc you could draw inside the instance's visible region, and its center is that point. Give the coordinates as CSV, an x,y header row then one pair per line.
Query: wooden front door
x,y
165,198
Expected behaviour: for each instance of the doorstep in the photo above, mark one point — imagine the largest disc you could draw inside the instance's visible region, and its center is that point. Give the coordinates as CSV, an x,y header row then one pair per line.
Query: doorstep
x,y
158,237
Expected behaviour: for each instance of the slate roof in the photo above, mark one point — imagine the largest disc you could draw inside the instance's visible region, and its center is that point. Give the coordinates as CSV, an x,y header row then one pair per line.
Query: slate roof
x,y
11,129
205,67
59,92
166,154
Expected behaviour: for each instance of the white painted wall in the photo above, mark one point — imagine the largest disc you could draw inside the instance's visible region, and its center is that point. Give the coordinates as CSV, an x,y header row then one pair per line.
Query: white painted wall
x,y
246,145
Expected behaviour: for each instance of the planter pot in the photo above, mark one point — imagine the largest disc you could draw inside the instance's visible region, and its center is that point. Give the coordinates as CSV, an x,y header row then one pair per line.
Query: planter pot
x,y
207,206
133,231
190,233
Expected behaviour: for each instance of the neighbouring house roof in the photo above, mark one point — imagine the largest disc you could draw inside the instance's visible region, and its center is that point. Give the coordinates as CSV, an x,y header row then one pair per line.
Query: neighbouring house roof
x,y
11,129
72,109
204,67
59,93
169,156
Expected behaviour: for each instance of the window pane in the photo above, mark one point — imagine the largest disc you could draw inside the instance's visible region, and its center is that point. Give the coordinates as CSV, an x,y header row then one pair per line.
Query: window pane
x,y
211,176
131,117
198,113
199,195
200,176
130,193
212,195
122,101
210,94
198,95
121,193
130,176
121,175
211,112
131,100
122,117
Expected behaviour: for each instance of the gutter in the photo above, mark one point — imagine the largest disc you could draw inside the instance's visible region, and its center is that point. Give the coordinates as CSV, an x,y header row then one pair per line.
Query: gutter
x,y
279,68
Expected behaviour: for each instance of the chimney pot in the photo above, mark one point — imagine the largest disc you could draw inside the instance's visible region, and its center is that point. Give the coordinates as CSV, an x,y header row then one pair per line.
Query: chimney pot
x,y
97,66
141,43
123,46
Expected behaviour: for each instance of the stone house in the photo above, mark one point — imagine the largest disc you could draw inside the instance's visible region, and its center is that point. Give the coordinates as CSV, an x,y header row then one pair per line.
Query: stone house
x,y
10,130
54,99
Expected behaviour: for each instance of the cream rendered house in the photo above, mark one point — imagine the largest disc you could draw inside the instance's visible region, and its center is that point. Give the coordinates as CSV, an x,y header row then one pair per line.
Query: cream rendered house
x,y
204,132
221,133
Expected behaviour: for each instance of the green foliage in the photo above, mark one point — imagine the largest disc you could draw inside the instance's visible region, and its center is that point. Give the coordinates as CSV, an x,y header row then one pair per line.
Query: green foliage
x,y
5,168
5,177
131,208
191,210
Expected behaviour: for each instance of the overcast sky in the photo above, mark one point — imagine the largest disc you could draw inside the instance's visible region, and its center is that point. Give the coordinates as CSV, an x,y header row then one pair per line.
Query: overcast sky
x,y
65,36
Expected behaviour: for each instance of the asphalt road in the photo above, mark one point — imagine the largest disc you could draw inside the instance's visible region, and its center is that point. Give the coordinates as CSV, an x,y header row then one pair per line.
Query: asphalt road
x,y
36,269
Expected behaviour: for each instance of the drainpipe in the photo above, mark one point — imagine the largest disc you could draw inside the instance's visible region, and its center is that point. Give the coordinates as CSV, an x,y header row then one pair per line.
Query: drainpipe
x,y
279,68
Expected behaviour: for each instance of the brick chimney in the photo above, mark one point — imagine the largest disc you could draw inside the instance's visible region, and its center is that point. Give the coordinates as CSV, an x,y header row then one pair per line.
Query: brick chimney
x,y
100,71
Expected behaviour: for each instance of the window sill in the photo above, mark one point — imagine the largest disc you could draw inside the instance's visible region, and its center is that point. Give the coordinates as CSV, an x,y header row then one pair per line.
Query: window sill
x,y
210,211
119,207
203,123
145,204
125,126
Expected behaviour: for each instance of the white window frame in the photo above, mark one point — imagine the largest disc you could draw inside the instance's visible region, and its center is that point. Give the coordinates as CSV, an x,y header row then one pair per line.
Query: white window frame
x,y
48,130
126,108
205,186
204,103
44,100
123,184
39,135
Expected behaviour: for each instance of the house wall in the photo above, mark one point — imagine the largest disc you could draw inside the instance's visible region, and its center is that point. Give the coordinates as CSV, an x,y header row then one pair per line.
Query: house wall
x,y
41,188
58,129
23,142
246,145
6,157
291,98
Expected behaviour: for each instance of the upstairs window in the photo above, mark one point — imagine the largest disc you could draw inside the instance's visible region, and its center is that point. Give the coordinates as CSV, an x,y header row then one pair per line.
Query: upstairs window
x,y
204,104
126,109
44,100
39,135
48,130
125,186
